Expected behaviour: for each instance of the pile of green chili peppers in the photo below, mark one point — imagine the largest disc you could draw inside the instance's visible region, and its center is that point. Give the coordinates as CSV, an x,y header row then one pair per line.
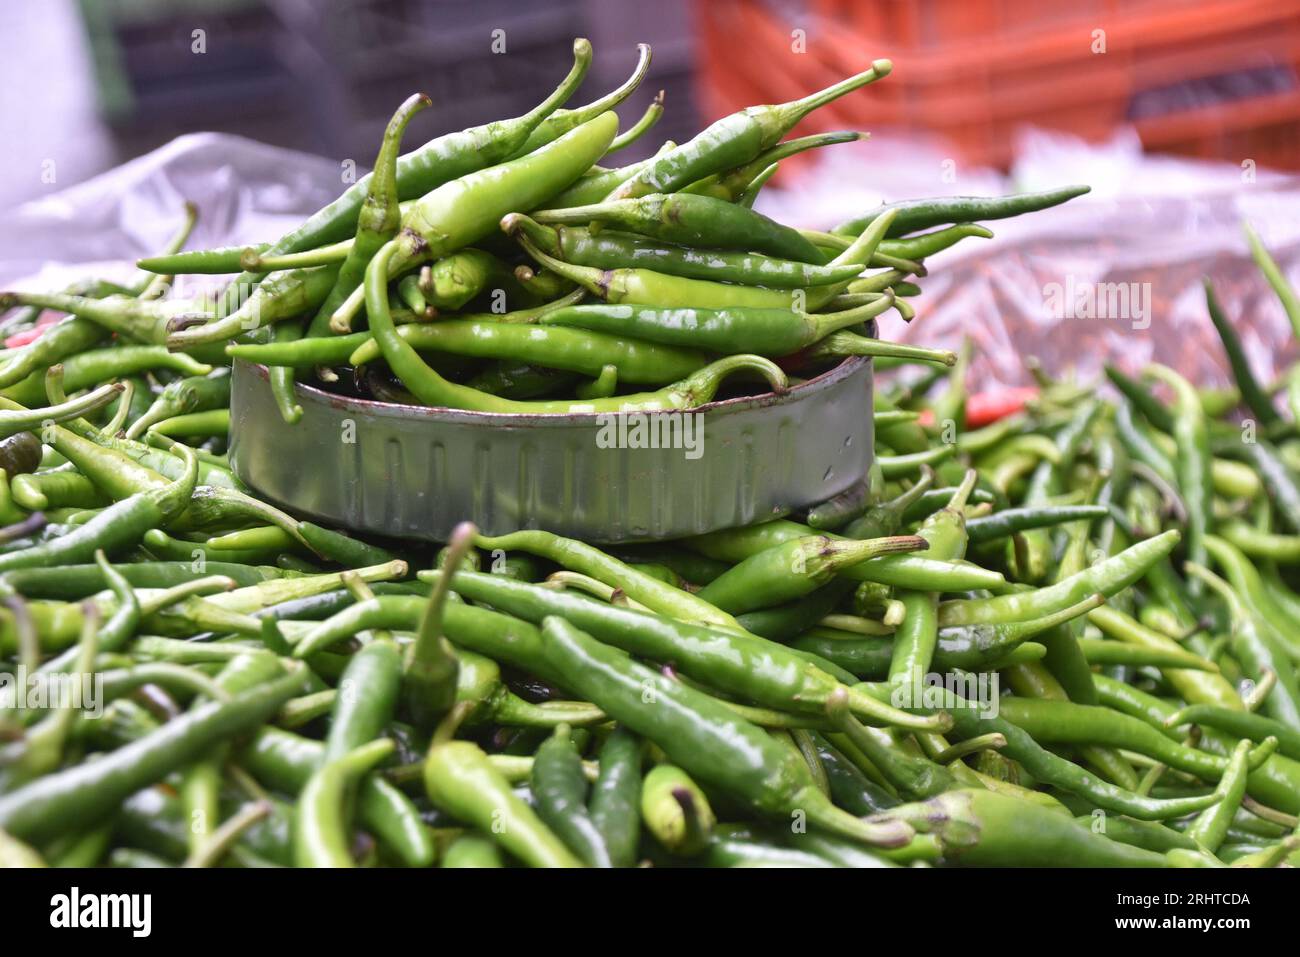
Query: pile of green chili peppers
x,y
1062,635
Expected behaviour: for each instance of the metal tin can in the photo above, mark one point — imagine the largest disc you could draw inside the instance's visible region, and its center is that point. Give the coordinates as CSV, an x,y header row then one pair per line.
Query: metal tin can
x,y
415,472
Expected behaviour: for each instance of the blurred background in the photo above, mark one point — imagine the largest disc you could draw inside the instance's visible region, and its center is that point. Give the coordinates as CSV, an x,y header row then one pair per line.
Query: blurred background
x,y
1183,116
96,82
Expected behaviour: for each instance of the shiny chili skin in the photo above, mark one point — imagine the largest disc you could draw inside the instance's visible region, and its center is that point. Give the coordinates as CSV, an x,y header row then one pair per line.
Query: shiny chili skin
x,y
191,394
578,556
691,220
795,568
733,184
1008,521
120,525
736,139
465,210
432,389
378,218
985,829
765,332
783,622
923,213
367,698
285,761
708,741
283,296
559,789
644,286
460,779
915,639
907,571
761,671
321,828
436,162
1106,577
578,350
614,804
42,808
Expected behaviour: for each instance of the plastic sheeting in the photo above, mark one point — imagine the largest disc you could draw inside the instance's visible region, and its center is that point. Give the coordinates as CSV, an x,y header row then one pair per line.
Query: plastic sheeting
x,y
1134,250
1114,276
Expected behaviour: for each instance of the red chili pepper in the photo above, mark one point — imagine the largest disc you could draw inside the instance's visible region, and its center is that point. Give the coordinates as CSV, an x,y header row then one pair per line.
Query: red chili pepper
x,y
985,408
23,338
27,336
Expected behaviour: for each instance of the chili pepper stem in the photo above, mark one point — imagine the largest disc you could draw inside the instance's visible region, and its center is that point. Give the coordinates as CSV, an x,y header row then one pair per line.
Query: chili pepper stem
x,y
786,115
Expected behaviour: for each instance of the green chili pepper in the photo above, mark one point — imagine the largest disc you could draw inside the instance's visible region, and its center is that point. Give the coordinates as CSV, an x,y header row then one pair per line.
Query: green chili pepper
x,y
1274,277
1256,727
120,525
433,389
84,792
1011,520
68,337
430,670
923,213
1064,722
283,296
1211,825
378,218
1254,641
985,829
1192,465
767,332
888,516
598,182
759,670
462,781
706,740
733,184
691,220
844,343
321,832
439,161
610,249
908,571
736,139
1106,578
286,761
795,568
784,622
1277,479
917,636
581,557
616,795
1256,399
471,850
676,811
556,348
559,789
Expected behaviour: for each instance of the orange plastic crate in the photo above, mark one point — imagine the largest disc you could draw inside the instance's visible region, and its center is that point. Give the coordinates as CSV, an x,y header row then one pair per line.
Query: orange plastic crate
x,y
975,70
